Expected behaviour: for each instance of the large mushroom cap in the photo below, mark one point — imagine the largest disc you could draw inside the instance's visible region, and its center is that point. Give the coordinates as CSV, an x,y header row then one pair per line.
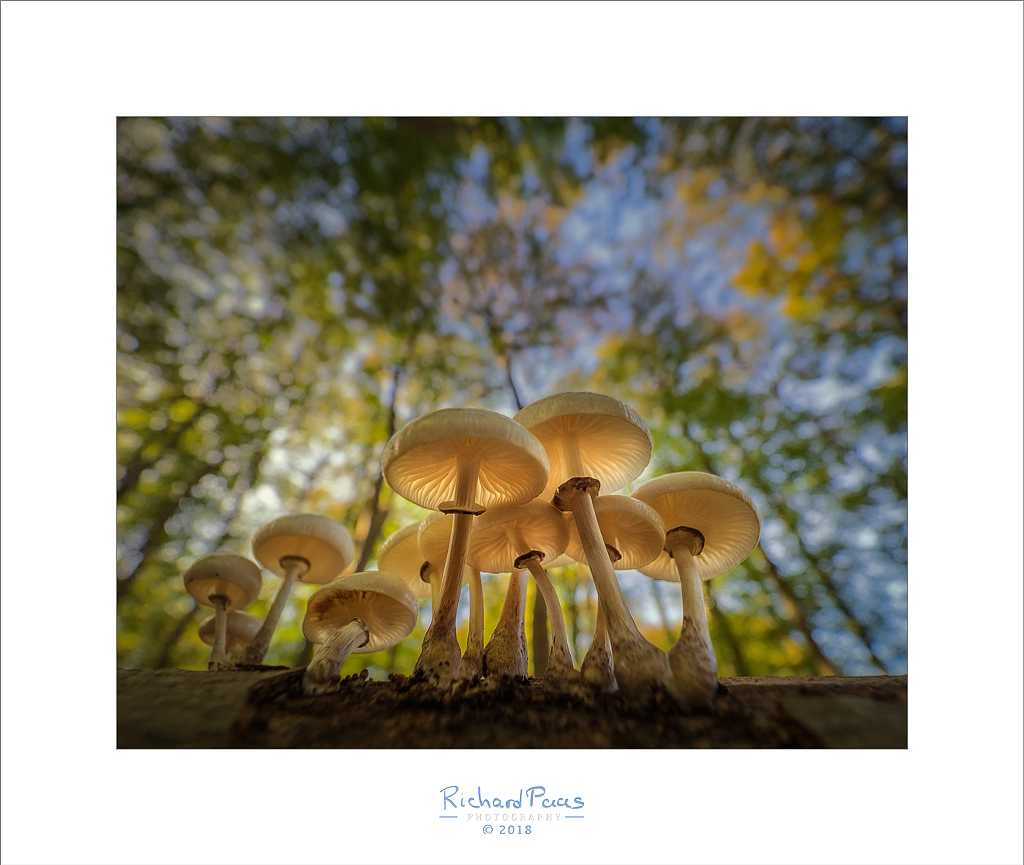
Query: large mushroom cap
x,y
614,442
383,601
630,526
241,629
224,575
719,510
318,539
502,535
400,555
421,461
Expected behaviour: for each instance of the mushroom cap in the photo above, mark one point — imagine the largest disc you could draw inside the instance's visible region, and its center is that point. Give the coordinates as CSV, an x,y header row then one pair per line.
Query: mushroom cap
x,y
502,535
383,601
225,574
434,537
421,460
632,527
719,510
400,555
242,627
559,561
614,442
318,539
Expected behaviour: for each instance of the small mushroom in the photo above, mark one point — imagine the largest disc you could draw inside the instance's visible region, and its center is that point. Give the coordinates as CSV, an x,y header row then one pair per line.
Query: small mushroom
x,y
592,441
226,582
460,462
714,526
434,539
400,555
633,535
506,540
241,628
310,548
360,613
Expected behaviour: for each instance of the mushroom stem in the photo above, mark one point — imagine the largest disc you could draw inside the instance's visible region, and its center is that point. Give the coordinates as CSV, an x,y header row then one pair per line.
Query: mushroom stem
x,y
219,658
294,567
440,655
505,655
473,659
692,658
597,670
322,674
640,667
560,670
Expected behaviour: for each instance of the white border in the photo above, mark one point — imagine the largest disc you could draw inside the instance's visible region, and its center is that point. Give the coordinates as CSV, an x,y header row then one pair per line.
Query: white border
x,y
69,69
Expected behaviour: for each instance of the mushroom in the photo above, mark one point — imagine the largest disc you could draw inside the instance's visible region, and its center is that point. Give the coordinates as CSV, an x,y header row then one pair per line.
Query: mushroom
x,y
400,555
505,540
361,613
714,526
307,547
434,539
633,535
594,440
460,462
241,628
226,582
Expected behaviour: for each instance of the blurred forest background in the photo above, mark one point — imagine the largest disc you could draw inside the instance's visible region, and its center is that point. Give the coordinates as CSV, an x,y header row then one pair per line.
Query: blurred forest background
x,y
292,291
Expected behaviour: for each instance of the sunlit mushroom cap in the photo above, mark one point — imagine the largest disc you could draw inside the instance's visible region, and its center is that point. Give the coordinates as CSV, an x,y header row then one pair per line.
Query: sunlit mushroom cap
x,y
421,461
226,575
434,537
614,442
719,510
241,629
633,528
400,555
560,561
318,539
501,535
383,601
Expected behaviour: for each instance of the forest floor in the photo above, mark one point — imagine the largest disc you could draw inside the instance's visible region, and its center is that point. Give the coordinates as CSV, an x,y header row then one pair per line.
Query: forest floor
x,y
265,708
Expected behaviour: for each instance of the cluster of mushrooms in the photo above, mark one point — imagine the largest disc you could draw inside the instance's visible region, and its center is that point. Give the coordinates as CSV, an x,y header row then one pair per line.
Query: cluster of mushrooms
x,y
511,495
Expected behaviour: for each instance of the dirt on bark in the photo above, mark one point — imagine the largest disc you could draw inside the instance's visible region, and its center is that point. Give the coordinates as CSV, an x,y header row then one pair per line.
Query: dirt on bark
x,y
796,712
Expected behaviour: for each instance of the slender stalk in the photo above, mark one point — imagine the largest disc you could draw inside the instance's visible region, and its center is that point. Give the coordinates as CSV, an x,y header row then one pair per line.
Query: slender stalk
x,y
473,660
440,655
692,658
219,658
322,675
294,567
640,668
560,669
505,655
597,670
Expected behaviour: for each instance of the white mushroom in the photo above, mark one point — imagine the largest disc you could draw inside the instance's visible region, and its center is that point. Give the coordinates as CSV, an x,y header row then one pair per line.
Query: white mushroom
x,y
713,527
240,630
633,535
461,462
434,539
400,555
310,548
592,441
360,613
505,540
226,582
